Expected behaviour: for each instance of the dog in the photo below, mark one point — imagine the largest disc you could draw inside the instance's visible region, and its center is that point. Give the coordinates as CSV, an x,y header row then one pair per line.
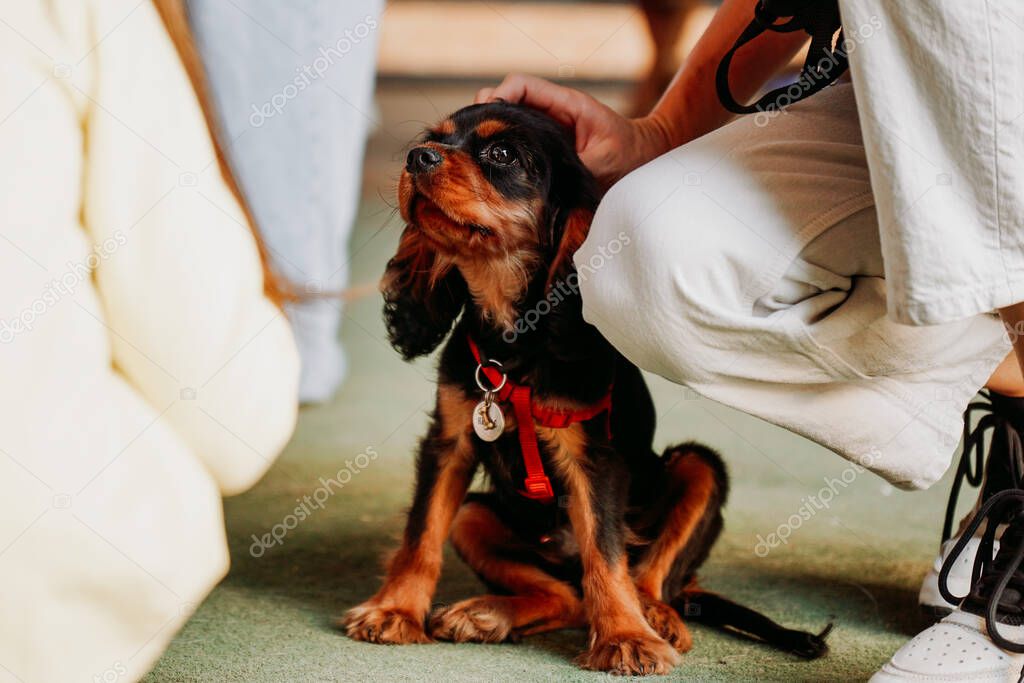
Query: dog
x,y
581,524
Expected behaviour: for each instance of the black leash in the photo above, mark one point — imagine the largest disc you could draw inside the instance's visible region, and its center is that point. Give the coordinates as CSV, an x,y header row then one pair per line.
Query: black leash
x,y
822,67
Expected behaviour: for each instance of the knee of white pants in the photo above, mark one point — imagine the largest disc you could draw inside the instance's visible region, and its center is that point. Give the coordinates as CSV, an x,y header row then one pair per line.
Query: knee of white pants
x,y
649,282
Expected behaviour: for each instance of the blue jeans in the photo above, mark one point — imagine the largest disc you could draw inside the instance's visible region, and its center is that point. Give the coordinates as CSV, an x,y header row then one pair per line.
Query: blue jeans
x,y
293,87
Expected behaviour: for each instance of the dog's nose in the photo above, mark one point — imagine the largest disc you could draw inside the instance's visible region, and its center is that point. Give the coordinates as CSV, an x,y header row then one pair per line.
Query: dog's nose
x,y
422,159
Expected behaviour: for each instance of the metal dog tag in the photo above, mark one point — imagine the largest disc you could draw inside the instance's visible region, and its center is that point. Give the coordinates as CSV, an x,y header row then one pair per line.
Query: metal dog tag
x,y
488,420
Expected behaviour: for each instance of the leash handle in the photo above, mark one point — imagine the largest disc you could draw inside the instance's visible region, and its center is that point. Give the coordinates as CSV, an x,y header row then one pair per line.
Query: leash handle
x,y
820,19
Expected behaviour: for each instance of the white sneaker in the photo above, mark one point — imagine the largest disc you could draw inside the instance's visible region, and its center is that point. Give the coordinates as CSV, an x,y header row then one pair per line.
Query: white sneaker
x,y
959,580
965,646
993,469
957,648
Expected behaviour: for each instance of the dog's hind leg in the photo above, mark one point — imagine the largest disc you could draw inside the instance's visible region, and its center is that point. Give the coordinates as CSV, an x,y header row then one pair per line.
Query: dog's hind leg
x,y
682,525
530,600
690,512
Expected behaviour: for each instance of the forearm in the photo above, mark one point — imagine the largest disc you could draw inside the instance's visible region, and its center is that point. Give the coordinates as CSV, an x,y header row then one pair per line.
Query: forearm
x,y
690,107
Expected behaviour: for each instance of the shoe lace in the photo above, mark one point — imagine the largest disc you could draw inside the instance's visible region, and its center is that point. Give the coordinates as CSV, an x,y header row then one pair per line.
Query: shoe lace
x,y
991,575
972,459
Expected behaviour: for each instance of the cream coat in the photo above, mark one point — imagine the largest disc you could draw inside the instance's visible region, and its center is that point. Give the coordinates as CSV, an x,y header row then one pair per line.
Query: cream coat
x,y
143,374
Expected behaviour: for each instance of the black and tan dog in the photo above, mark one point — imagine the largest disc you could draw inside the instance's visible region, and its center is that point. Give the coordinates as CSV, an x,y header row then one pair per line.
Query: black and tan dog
x,y
582,524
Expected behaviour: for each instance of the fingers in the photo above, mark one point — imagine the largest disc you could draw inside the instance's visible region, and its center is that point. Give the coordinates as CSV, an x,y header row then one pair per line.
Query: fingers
x,y
509,90
558,101
484,95
518,88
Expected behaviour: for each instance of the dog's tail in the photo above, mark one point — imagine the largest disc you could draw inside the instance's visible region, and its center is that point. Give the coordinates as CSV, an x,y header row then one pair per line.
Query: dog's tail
x,y
714,610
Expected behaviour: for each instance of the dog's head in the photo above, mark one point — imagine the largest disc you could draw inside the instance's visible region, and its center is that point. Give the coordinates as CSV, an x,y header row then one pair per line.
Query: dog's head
x,y
496,202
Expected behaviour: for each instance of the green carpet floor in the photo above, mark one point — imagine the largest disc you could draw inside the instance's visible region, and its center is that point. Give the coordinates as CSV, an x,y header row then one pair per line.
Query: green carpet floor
x,y
857,563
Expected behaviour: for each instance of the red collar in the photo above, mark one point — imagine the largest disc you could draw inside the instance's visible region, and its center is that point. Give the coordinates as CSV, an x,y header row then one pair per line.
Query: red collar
x,y
530,413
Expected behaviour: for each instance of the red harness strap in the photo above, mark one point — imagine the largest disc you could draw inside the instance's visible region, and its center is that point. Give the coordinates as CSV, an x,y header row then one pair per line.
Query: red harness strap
x,y
528,414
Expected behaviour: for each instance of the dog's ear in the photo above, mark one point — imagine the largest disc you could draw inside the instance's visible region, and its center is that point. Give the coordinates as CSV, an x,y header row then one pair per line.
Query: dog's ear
x,y
572,198
423,296
573,230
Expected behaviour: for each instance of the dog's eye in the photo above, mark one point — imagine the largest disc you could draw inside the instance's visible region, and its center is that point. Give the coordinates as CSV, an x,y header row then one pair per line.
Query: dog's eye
x,y
500,154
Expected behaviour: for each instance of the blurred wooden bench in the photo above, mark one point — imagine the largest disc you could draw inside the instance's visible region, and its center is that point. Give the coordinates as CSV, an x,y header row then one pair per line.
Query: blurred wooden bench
x,y
590,40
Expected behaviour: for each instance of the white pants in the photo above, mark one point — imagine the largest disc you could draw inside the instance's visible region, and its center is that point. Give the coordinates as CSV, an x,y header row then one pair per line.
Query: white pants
x,y
753,273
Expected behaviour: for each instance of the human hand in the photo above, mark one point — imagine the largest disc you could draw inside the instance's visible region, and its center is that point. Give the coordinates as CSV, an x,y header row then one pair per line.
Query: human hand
x,y
609,144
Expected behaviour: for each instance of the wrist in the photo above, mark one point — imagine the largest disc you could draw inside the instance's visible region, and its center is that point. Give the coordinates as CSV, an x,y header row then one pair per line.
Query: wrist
x,y
658,134
690,108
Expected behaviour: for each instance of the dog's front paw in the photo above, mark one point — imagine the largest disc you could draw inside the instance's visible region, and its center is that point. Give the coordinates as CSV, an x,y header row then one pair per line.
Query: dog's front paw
x,y
630,655
477,620
376,624
666,623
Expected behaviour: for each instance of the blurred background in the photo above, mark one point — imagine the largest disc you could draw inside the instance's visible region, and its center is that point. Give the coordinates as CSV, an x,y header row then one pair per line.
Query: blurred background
x,y
857,561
